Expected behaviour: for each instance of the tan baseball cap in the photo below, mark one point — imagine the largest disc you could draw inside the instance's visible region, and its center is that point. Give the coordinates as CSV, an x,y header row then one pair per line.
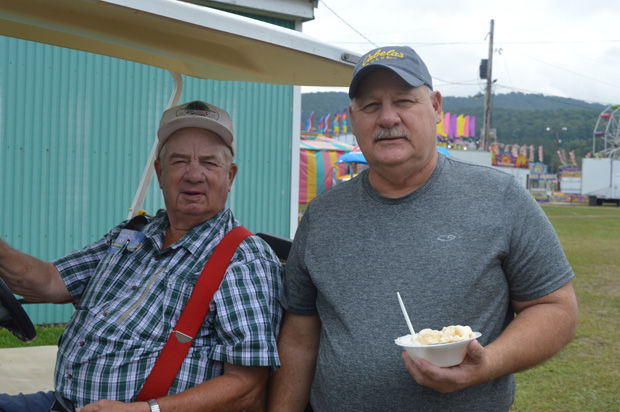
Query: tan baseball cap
x,y
196,114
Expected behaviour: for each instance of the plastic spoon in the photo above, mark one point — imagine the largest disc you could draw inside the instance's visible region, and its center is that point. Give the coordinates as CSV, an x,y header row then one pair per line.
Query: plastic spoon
x,y
402,307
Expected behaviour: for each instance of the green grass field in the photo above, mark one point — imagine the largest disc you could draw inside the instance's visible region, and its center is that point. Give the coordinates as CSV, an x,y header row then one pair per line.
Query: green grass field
x,y
585,375
46,335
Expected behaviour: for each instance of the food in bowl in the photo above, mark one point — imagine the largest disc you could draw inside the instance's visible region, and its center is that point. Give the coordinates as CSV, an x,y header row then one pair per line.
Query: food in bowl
x,y
453,333
441,354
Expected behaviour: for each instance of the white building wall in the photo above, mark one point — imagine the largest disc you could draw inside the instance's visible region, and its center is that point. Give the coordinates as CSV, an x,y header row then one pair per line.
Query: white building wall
x,y
473,156
521,175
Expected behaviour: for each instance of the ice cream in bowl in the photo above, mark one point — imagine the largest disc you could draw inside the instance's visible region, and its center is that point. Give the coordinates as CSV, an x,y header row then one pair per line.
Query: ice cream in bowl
x,y
445,347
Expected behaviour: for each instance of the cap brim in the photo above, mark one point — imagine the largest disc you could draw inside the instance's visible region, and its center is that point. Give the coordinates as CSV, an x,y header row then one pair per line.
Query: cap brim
x,y
201,122
373,68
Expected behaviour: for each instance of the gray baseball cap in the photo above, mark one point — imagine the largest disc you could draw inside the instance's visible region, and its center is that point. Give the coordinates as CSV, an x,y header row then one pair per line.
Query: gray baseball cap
x,y
402,60
196,114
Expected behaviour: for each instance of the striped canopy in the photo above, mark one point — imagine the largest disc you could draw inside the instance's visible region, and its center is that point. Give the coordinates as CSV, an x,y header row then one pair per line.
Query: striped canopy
x,y
317,166
331,145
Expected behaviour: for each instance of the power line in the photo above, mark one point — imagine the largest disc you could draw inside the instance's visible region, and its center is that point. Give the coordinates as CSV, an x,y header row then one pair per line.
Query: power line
x,y
570,71
530,42
345,22
464,82
477,42
500,51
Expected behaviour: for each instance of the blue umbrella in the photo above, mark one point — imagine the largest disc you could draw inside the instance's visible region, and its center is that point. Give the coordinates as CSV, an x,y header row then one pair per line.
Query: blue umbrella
x,y
443,150
352,157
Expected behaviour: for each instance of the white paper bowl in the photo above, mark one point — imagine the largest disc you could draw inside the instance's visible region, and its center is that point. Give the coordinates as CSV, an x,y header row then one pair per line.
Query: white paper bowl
x,y
441,354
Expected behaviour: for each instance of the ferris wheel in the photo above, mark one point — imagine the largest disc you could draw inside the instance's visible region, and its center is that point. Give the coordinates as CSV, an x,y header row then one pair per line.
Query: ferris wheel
x,y
606,136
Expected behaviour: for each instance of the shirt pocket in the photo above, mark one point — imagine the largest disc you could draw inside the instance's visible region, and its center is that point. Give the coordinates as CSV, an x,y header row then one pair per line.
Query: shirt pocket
x,y
177,290
109,282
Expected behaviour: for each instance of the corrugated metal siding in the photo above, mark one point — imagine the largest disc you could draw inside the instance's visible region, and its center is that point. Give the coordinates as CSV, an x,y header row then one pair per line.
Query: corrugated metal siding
x,y
76,130
262,117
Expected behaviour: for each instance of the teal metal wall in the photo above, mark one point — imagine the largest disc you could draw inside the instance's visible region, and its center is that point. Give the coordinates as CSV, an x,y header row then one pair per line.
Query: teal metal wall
x,y
76,130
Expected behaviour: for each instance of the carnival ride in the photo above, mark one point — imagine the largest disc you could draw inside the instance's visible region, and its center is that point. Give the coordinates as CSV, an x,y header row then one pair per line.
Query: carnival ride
x,y
601,172
606,134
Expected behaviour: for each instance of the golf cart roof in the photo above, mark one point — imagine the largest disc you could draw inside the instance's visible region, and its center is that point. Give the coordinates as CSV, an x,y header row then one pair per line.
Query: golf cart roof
x,y
182,38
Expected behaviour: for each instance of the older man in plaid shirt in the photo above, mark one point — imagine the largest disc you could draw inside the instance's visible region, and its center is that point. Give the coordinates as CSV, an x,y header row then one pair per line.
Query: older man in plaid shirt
x,y
128,301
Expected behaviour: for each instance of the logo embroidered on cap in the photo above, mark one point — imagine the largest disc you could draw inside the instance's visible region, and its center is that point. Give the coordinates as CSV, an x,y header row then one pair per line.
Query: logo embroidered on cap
x,y
198,109
382,55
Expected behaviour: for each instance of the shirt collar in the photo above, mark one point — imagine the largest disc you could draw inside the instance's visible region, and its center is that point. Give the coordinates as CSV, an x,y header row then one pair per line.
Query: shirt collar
x,y
197,238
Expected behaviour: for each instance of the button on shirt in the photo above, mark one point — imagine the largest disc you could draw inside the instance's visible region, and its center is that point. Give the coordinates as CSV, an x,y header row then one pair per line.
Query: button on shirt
x,y
127,304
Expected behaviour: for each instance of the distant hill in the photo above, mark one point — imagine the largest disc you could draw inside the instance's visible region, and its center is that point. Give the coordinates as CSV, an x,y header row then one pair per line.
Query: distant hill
x,y
322,103
517,117
520,101
330,102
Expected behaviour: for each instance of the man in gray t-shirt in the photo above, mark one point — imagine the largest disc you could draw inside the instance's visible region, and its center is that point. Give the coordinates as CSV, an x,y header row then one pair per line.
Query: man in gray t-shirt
x,y
463,244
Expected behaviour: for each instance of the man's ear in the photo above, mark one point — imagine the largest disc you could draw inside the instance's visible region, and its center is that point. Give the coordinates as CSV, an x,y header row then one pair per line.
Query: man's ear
x,y
232,172
158,172
351,118
436,100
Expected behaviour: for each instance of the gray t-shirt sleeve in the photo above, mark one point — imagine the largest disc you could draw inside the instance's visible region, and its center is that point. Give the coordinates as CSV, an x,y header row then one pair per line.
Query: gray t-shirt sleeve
x,y
535,264
299,293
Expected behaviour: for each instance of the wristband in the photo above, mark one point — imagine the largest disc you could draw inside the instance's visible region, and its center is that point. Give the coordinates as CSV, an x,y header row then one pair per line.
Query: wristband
x,y
153,405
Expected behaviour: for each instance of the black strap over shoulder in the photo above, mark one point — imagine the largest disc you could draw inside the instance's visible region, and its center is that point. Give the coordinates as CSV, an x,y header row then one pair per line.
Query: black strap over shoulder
x,y
137,223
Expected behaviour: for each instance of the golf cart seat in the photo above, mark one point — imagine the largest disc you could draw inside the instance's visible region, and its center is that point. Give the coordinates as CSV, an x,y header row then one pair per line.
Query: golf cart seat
x,y
280,245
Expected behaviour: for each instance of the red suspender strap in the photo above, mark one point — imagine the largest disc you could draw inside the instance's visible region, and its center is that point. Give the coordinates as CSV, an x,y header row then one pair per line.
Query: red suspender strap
x,y
180,340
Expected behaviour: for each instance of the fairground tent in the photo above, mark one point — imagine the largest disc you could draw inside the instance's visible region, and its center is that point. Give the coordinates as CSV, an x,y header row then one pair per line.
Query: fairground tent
x,y
317,166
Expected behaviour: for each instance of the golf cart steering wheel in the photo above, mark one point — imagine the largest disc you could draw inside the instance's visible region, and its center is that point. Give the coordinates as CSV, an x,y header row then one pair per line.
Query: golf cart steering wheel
x,y
13,317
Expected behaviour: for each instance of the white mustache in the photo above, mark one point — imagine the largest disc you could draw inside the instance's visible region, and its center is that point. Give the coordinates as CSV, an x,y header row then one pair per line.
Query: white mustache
x,y
394,132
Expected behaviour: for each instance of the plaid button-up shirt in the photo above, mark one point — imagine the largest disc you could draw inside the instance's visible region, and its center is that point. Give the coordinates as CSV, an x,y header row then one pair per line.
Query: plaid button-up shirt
x,y
127,304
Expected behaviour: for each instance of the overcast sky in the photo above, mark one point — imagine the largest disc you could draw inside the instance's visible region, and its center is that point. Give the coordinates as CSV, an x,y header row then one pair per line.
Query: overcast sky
x,y
568,48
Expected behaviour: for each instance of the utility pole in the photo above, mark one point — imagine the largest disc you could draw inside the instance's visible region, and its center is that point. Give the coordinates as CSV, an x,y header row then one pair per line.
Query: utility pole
x,y
487,99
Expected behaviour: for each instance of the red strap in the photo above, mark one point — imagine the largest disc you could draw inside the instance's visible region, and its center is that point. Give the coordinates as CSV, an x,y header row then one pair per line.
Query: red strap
x,y
180,340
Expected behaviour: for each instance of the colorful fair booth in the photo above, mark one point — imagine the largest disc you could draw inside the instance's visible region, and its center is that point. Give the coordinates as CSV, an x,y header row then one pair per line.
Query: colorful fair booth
x,y
317,167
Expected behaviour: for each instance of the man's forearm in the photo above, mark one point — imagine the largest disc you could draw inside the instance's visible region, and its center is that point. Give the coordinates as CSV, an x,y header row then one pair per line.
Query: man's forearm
x,y
538,332
289,387
30,277
239,388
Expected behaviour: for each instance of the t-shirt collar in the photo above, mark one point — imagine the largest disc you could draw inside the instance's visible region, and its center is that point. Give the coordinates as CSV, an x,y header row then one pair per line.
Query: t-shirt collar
x,y
377,196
